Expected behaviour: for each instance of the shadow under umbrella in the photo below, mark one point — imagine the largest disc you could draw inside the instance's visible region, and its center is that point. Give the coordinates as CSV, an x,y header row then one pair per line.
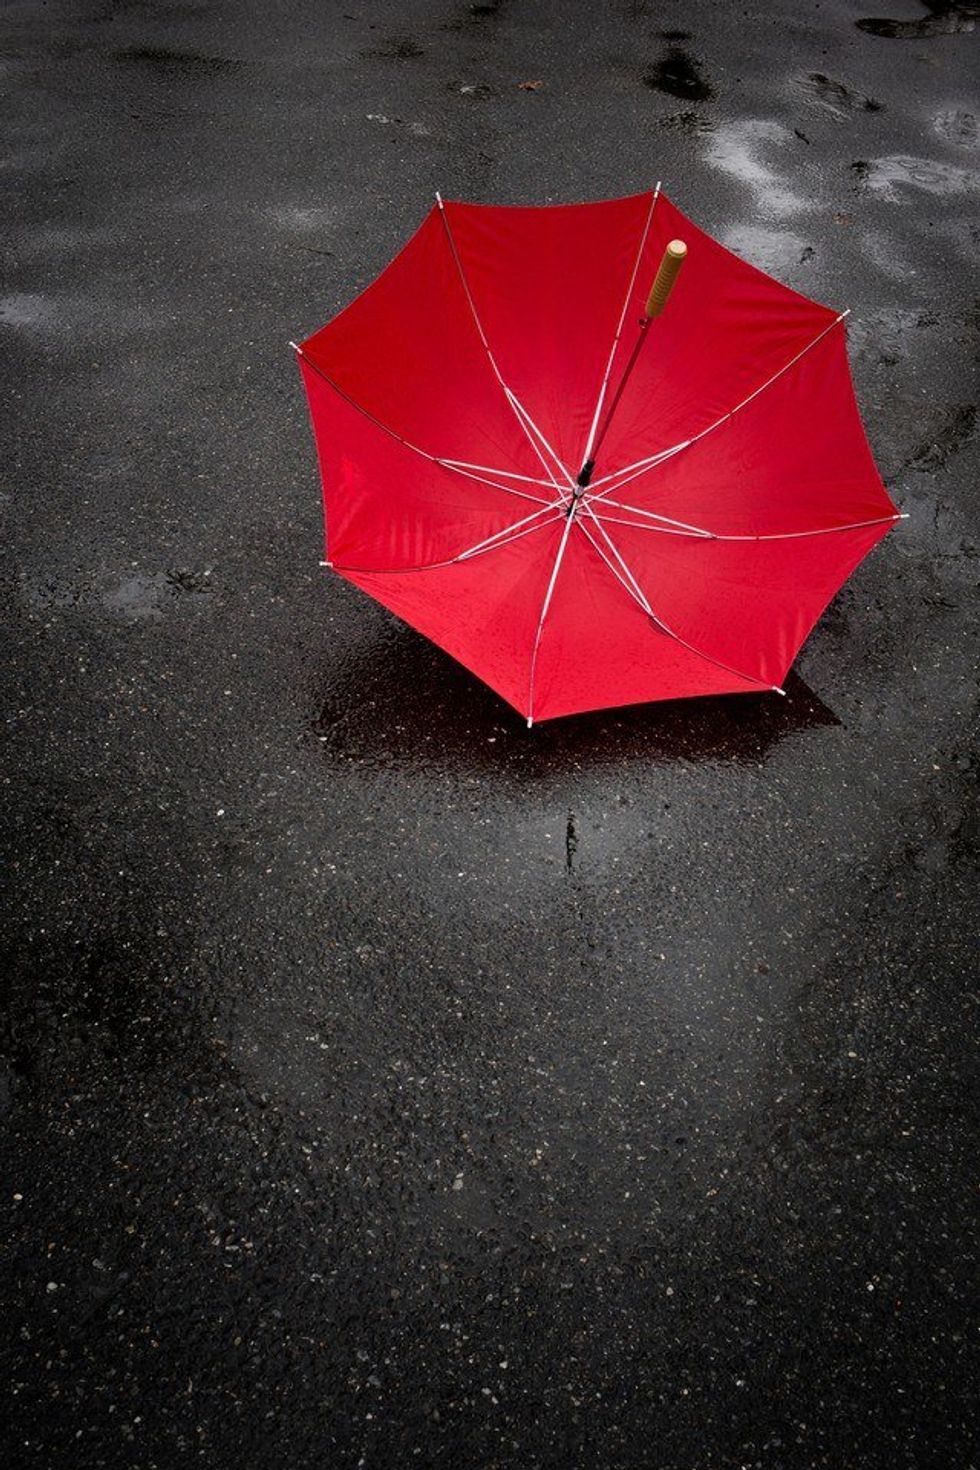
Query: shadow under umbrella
x,y
403,702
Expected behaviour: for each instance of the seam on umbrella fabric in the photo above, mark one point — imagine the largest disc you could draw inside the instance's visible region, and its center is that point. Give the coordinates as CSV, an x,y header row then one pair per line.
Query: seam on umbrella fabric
x,y
521,413
531,428
492,543
619,327
641,465
569,523
641,598
450,464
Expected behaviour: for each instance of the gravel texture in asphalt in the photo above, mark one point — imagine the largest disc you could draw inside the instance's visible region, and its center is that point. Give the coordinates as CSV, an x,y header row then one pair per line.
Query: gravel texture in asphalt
x,y
384,1084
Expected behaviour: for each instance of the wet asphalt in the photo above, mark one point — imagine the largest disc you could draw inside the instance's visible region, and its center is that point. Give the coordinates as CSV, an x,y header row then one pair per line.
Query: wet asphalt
x,y
384,1084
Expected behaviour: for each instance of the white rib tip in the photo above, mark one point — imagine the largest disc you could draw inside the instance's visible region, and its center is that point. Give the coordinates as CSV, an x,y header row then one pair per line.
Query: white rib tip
x,y
844,313
294,346
776,690
530,722
905,515
326,564
439,199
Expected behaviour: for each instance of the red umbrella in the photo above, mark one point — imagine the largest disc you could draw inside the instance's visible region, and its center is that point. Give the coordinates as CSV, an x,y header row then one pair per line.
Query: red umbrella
x,y
587,497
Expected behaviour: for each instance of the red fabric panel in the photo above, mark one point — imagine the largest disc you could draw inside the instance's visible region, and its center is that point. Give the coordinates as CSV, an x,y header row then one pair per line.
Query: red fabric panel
x,y
406,351
389,507
549,287
484,612
725,329
794,459
599,648
749,604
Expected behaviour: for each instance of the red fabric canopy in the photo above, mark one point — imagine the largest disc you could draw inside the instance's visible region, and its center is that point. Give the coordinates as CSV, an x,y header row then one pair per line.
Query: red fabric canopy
x,y
455,401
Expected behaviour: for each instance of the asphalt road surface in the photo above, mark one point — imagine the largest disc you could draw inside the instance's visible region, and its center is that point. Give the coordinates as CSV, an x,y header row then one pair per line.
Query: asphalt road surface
x,y
384,1084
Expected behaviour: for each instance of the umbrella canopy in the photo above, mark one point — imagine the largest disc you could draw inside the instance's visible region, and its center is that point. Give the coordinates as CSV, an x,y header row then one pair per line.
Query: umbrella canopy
x,y
458,402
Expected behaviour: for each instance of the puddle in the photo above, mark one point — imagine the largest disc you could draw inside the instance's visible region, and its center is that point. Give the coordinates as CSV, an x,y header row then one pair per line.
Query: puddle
x,y
886,335
833,97
957,127
776,251
132,597
679,75
24,309
139,597
944,19
736,149
884,176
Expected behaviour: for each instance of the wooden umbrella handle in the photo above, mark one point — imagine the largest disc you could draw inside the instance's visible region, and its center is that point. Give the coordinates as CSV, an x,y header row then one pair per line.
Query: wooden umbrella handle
x,y
673,258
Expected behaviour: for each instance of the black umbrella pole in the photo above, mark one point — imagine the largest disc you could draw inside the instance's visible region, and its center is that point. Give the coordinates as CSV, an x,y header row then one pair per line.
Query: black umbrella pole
x,y
673,258
585,473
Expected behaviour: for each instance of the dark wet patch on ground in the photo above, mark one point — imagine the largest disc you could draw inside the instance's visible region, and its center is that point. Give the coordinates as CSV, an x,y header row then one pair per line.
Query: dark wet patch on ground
x,y
368,719
834,97
679,74
888,336
401,49
688,121
475,15
944,19
171,64
956,428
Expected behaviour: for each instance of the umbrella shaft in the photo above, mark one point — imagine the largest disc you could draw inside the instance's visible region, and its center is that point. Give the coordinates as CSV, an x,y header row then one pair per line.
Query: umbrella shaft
x,y
585,473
